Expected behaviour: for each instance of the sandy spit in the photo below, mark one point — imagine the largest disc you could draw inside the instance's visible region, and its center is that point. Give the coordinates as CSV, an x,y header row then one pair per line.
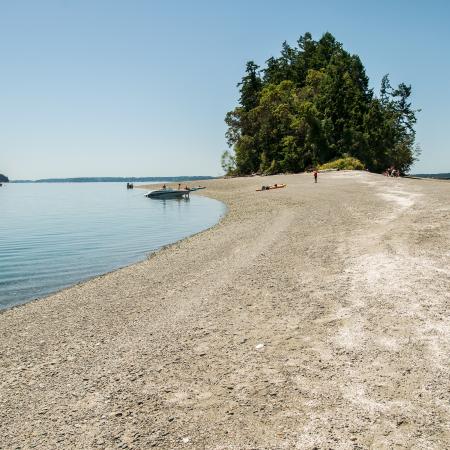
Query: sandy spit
x,y
315,316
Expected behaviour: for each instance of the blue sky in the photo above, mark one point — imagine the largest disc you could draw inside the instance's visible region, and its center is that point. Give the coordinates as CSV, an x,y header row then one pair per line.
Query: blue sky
x,y
135,88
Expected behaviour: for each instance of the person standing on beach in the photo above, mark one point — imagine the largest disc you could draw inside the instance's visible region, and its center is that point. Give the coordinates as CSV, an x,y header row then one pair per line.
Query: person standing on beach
x,y
315,176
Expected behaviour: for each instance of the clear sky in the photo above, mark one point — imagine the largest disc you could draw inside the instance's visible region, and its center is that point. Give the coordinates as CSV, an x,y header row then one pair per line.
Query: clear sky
x,y
141,88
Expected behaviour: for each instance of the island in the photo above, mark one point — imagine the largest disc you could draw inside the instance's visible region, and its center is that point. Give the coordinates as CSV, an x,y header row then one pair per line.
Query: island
x,y
309,317
313,105
3,178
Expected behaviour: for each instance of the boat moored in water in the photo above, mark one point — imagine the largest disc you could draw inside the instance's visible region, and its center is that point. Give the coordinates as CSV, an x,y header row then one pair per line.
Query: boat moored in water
x,y
168,193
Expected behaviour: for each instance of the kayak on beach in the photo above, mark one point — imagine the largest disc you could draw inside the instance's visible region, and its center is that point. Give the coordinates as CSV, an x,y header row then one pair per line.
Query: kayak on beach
x,y
273,186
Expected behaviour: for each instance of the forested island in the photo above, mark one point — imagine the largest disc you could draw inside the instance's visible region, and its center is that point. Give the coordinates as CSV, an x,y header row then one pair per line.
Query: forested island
x,y
313,105
3,178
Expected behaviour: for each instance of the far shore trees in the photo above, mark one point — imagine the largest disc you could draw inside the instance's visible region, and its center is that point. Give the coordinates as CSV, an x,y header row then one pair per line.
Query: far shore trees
x,y
3,178
312,105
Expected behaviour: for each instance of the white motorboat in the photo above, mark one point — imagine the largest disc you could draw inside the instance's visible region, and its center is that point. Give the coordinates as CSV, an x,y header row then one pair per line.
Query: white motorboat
x,y
168,193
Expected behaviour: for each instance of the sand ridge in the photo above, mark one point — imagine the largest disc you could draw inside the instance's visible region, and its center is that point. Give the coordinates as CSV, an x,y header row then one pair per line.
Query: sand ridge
x,y
314,316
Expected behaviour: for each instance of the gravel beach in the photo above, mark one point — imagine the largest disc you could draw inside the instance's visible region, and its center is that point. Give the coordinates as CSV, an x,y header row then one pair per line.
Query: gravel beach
x,y
311,317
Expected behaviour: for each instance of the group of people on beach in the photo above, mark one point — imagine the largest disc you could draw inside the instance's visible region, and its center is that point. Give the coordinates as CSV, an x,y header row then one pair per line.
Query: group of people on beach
x,y
391,172
179,187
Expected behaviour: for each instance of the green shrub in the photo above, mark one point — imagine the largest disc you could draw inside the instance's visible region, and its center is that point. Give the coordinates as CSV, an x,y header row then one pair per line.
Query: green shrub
x,y
347,163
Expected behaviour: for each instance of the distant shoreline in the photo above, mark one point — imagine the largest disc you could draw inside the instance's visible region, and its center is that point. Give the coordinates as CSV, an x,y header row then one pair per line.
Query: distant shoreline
x,y
433,176
116,179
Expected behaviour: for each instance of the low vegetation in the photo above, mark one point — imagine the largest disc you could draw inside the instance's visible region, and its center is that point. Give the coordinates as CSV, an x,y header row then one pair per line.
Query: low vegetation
x,y
346,163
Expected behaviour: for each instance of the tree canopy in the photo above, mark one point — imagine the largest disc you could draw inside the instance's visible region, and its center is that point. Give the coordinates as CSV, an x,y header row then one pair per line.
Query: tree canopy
x,y
312,105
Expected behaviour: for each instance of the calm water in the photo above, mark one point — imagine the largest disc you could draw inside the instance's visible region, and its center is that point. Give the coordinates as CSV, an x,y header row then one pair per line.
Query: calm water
x,y
55,235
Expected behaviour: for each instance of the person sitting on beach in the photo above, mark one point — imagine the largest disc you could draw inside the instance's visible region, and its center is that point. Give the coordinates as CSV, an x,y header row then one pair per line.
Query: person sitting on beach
x,y
164,186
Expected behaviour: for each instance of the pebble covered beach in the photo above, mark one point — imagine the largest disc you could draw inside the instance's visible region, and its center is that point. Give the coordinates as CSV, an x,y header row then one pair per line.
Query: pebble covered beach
x,y
313,316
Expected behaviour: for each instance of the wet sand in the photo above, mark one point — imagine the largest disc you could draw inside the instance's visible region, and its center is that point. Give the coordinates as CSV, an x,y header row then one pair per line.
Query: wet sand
x,y
315,316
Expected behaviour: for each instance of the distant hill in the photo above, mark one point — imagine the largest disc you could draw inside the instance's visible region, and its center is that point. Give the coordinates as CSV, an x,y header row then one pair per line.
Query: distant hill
x,y
3,178
115,179
441,176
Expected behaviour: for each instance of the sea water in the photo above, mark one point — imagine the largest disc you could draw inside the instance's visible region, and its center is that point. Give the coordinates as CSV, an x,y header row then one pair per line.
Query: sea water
x,y
53,235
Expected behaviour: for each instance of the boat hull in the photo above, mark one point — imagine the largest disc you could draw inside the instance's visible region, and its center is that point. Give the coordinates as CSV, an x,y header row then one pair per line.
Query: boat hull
x,y
166,194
